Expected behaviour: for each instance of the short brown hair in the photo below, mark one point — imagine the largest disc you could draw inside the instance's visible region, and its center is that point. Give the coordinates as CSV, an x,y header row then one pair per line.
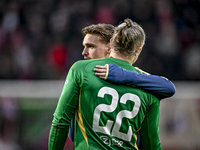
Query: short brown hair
x,y
105,31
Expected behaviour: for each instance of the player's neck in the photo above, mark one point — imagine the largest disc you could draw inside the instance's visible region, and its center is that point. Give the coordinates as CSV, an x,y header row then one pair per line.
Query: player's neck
x,y
118,55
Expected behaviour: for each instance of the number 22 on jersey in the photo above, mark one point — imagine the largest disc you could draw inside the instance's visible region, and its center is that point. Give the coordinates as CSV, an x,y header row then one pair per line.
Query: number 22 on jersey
x,y
110,108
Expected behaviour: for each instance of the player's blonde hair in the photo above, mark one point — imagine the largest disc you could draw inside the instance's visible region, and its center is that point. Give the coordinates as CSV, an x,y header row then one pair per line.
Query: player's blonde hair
x,y
127,37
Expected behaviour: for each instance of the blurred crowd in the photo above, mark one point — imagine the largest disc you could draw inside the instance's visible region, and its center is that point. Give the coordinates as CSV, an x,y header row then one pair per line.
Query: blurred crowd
x,y
41,39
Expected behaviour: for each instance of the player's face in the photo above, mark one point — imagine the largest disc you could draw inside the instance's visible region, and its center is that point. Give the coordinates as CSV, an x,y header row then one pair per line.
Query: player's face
x,y
94,48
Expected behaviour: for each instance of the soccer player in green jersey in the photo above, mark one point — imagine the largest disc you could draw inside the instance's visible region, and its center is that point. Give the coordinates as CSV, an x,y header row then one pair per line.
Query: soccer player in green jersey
x,y
97,45
109,116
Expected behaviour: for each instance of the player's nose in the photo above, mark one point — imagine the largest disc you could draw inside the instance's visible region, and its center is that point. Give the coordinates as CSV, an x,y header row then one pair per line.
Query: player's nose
x,y
85,52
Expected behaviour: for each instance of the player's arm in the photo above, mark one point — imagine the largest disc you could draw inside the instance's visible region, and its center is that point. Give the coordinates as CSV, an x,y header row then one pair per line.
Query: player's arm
x,y
64,113
149,133
159,86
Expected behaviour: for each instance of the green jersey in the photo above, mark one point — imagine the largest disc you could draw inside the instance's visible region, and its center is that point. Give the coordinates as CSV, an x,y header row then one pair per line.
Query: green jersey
x,y
108,116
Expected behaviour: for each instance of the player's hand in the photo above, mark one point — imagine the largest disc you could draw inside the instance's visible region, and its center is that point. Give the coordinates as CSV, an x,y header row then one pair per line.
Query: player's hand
x,y
111,72
101,71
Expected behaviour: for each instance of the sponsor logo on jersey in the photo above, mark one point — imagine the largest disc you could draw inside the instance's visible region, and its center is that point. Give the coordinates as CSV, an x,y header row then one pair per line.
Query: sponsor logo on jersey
x,y
66,81
109,141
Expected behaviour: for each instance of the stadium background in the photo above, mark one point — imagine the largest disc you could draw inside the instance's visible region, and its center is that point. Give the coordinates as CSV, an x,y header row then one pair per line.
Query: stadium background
x,y
41,39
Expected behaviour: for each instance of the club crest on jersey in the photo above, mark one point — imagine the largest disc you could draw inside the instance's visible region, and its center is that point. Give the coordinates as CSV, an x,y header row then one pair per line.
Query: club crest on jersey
x,y
109,141
66,81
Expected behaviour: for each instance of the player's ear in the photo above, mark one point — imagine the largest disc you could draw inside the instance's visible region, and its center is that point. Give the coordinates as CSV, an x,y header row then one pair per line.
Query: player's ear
x,y
108,47
111,40
138,50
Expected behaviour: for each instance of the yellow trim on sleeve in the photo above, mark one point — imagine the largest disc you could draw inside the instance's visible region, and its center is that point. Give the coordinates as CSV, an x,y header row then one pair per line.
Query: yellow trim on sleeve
x,y
107,71
142,71
147,72
79,120
163,77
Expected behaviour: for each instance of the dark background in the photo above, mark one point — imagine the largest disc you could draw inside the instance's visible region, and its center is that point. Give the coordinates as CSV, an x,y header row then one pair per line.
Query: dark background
x,y
41,39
